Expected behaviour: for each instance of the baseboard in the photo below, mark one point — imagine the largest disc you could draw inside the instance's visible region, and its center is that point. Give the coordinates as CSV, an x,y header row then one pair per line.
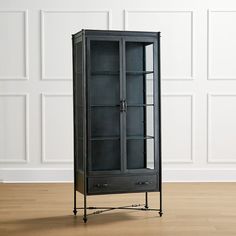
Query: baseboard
x,y
36,175
57,175
199,175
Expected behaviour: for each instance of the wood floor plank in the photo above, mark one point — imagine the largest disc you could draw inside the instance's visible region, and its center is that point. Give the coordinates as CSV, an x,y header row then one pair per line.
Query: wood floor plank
x,y
190,209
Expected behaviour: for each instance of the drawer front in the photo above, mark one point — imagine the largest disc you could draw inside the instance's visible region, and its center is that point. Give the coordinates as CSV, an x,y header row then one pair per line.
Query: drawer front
x,y
122,184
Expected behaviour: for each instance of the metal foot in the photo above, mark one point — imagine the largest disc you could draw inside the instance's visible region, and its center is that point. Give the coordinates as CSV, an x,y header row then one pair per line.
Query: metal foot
x,y
75,212
160,213
146,201
85,219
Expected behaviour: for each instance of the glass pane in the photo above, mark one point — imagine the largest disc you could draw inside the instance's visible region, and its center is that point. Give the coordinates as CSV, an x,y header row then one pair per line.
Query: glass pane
x,y
104,56
139,72
140,153
79,111
140,105
105,155
105,122
104,92
135,153
150,153
105,79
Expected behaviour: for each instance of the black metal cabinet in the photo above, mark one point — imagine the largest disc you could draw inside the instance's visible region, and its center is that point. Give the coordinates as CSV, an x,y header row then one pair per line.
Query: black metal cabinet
x,y
117,126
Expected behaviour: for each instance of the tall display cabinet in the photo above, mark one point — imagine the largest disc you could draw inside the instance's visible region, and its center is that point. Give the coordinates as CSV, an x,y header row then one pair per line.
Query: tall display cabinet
x,y
117,119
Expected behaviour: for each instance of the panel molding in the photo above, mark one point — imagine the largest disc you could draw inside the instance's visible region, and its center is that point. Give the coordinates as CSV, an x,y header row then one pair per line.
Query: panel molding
x,y
26,159
126,23
191,159
209,77
26,47
211,159
42,49
43,157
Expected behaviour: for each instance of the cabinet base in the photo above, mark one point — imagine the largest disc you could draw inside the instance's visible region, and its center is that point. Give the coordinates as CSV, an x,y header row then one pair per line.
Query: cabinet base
x,y
99,210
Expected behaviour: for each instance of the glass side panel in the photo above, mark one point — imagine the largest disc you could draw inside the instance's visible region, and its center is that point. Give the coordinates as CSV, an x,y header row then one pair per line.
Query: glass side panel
x,y
137,150
140,105
104,100
79,111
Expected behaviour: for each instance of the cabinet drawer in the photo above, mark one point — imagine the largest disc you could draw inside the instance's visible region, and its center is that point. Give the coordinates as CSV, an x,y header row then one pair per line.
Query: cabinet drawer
x,y
122,184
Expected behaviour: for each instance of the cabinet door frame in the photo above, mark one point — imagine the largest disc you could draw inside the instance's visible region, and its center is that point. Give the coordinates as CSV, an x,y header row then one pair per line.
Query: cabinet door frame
x,y
156,100
88,72
156,92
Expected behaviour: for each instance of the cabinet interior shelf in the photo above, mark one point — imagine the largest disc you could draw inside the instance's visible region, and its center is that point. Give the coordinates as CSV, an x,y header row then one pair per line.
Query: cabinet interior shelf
x,y
139,72
117,105
118,137
117,72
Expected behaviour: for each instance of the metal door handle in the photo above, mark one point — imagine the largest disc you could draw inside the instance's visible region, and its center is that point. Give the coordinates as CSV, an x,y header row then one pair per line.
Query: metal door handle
x,y
144,183
123,105
101,185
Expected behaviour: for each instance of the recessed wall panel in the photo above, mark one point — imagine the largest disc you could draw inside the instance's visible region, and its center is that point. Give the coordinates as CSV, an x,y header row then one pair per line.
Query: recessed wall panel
x,y
57,28
221,45
57,128
176,29
13,45
177,128
221,128
13,128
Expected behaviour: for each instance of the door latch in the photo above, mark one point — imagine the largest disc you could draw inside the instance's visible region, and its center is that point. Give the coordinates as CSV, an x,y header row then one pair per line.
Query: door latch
x,y
123,106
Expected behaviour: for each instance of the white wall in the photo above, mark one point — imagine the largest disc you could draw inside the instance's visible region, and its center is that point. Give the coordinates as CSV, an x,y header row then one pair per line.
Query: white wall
x,y
198,83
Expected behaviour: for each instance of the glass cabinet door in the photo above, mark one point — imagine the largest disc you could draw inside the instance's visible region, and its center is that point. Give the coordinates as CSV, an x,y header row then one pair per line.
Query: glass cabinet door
x,y
103,104
139,77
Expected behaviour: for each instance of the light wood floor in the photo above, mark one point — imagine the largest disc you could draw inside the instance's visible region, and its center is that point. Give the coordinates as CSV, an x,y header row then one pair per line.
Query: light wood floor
x,y
206,209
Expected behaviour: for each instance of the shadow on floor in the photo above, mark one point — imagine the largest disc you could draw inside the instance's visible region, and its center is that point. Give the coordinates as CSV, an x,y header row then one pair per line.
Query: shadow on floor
x,y
33,226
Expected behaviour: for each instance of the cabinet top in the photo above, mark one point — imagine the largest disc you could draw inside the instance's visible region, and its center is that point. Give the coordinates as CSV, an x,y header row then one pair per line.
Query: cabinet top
x,y
89,32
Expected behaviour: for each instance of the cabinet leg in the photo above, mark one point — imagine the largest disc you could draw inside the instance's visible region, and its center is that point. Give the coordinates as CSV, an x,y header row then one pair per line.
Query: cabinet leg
x,y
75,210
146,200
160,212
85,208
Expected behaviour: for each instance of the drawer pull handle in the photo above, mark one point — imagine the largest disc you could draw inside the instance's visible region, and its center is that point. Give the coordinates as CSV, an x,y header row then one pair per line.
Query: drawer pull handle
x,y
101,185
144,183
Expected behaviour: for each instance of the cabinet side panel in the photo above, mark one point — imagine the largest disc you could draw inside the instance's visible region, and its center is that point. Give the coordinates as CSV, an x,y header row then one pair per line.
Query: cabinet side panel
x,y
78,98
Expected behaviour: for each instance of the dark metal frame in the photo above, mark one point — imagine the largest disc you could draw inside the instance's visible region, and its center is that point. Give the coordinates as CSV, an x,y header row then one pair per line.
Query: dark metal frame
x,y
122,37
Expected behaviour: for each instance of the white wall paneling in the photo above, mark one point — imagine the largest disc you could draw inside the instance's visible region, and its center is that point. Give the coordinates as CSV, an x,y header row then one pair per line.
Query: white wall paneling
x,y
14,126
176,28
221,128
198,54
57,128
177,128
57,26
14,44
221,45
